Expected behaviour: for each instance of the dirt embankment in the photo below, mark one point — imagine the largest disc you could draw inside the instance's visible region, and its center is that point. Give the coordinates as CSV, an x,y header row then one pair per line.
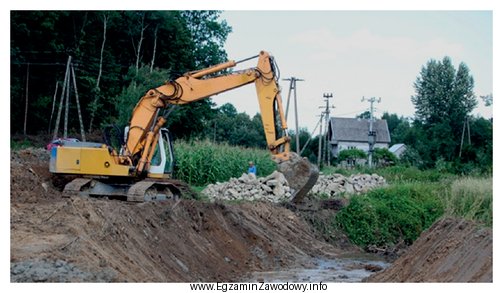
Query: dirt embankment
x,y
452,250
78,239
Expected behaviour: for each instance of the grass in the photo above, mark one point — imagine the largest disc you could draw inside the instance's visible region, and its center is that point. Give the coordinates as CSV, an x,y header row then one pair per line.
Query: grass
x,y
470,198
395,174
202,162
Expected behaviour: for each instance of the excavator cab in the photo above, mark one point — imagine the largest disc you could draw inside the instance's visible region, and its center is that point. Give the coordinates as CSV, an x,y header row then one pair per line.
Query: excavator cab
x,y
163,161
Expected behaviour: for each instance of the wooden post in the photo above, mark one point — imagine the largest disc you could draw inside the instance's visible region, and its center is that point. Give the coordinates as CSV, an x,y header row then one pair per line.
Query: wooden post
x,y
26,102
53,106
58,118
82,132
67,105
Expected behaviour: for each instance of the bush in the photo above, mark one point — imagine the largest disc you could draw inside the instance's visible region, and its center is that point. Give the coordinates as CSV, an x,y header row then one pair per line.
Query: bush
x,y
351,155
202,162
388,215
20,144
383,157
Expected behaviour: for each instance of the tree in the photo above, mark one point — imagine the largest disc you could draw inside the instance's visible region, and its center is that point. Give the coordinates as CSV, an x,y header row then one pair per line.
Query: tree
x,y
442,93
444,98
488,100
364,115
208,34
104,45
383,157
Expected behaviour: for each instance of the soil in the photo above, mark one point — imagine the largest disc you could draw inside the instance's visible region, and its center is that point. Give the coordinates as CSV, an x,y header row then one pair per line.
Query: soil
x,y
85,239
452,250
56,239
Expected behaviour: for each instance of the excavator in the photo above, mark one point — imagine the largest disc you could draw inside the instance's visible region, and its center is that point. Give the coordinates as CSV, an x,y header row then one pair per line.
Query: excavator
x,y
142,169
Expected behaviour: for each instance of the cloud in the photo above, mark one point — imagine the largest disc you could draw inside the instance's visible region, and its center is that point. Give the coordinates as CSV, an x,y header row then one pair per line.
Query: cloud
x,y
326,45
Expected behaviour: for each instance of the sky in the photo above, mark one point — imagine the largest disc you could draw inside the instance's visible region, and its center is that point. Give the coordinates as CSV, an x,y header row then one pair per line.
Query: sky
x,y
355,54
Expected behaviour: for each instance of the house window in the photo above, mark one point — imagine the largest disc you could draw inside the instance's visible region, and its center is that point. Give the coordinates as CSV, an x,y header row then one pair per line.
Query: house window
x,y
351,147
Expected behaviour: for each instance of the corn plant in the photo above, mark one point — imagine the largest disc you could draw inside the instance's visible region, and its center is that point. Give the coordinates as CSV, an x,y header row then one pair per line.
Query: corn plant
x,y
202,162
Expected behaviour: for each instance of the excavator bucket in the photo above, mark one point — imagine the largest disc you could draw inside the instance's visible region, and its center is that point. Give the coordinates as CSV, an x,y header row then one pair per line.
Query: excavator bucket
x,y
300,174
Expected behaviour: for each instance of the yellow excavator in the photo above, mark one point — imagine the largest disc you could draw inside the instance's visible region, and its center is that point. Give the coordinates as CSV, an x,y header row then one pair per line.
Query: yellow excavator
x,y
142,169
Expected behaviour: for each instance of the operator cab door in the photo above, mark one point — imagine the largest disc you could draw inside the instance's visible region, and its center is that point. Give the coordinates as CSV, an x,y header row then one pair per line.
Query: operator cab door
x,y
163,160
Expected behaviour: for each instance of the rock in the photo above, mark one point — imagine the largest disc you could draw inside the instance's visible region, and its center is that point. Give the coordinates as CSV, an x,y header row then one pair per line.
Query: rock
x,y
335,184
273,187
272,183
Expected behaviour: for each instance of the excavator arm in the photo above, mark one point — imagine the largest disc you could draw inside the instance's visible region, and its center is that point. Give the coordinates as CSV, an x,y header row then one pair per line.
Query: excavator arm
x,y
105,171
197,85
193,86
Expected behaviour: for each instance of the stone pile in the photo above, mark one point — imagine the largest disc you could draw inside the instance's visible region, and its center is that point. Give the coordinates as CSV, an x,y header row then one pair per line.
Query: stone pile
x,y
272,188
334,184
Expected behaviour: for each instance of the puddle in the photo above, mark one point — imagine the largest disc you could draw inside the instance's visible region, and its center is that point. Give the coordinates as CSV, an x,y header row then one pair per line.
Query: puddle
x,y
346,268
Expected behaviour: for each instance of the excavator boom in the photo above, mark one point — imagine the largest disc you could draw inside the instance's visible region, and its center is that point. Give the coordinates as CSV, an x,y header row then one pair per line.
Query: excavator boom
x,y
143,135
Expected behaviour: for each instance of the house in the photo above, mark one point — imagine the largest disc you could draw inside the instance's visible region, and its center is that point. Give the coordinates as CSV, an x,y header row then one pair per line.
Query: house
x,y
398,149
353,133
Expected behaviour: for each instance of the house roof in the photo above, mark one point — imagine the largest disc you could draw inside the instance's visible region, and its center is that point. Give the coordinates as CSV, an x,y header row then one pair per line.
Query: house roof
x,y
396,147
355,129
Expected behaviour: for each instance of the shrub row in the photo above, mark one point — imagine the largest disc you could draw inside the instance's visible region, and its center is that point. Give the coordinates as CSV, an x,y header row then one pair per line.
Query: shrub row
x,y
388,215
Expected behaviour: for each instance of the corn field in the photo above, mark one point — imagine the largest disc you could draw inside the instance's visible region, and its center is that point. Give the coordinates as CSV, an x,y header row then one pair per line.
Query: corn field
x,y
202,162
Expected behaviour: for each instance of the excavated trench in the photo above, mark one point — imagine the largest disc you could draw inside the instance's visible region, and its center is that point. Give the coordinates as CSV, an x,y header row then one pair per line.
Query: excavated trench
x,y
55,239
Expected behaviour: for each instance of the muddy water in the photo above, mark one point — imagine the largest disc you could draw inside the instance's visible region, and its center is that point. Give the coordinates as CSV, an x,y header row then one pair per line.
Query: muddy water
x,y
346,268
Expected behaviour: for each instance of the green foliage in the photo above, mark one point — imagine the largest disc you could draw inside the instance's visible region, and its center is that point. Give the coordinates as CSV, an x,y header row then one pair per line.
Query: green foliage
x,y
185,41
444,98
470,198
226,125
403,174
364,115
383,157
20,144
304,136
351,154
202,162
139,84
387,215
442,93
395,174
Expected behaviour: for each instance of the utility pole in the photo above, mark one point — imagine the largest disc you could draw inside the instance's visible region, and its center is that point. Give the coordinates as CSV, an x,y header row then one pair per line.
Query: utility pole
x,y
326,154
320,140
466,125
293,87
372,133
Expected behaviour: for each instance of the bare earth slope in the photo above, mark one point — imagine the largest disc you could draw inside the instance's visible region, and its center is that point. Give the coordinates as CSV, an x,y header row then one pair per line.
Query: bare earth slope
x,y
59,239
452,250
78,239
